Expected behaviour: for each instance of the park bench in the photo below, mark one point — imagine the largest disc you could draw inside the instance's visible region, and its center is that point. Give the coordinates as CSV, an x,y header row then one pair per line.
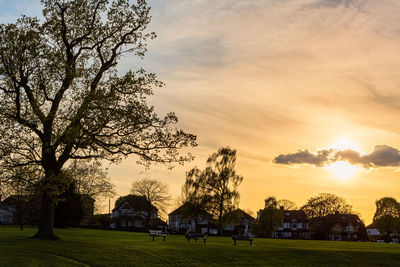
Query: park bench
x,y
196,236
242,238
154,233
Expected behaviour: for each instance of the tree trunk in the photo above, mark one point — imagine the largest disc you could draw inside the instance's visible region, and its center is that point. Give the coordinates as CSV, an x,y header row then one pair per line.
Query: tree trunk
x,y
147,220
20,221
46,226
220,222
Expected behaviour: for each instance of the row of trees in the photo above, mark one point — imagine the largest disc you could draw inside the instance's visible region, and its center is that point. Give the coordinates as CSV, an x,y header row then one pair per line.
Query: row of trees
x,y
386,217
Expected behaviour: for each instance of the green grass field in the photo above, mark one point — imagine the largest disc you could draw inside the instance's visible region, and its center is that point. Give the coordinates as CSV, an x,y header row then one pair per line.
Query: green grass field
x,y
82,247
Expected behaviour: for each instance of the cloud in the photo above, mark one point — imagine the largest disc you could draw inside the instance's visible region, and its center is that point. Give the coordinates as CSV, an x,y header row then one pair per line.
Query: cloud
x,y
380,156
335,3
305,157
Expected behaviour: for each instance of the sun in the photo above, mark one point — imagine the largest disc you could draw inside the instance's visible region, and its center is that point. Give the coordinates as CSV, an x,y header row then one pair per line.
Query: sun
x,y
343,170
344,143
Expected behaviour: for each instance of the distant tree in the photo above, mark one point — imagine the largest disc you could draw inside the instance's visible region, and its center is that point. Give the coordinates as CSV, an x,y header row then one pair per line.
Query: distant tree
x,y
287,204
91,180
270,218
155,192
387,216
62,98
216,186
325,204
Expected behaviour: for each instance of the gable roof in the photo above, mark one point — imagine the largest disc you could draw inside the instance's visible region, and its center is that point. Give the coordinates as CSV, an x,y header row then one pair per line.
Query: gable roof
x,y
344,219
338,219
247,216
180,209
239,214
135,202
298,215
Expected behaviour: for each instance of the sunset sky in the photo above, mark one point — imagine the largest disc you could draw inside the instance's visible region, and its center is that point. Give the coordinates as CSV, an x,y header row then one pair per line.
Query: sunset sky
x,y
307,91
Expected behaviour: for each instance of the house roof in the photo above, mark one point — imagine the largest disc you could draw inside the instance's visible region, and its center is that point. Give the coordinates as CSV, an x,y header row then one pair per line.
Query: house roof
x,y
243,215
344,219
135,202
339,218
179,210
13,199
298,215
248,216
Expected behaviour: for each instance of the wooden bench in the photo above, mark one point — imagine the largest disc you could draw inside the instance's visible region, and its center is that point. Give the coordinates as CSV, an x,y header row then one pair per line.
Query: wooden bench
x,y
242,238
196,236
154,233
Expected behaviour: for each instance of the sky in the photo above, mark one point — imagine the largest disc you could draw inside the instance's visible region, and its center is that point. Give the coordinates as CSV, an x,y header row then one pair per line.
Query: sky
x,y
306,91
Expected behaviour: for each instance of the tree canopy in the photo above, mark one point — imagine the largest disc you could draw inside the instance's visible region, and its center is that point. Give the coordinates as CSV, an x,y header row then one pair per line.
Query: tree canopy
x,y
62,97
270,218
387,216
325,204
155,192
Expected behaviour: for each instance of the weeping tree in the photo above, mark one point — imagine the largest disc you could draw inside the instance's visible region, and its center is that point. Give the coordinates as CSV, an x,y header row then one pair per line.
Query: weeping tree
x,y
215,187
62,98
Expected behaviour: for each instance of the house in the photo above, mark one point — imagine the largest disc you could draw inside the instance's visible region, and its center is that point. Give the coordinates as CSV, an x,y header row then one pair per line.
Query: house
x,y
7,212
339,227
294,225
373,233
183,220
132,212
238,222
27,209
20,207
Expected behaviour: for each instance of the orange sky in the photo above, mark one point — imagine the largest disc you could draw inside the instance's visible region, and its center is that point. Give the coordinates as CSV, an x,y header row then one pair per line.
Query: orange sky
x,y
271,77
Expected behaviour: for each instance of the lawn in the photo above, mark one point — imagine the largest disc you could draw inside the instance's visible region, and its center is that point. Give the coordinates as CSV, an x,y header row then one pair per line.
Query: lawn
x,y
82,247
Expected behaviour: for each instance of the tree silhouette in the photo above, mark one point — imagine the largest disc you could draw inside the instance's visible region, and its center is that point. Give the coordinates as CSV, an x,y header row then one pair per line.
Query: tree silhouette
x,y
271,217
325,204
156,194
387,216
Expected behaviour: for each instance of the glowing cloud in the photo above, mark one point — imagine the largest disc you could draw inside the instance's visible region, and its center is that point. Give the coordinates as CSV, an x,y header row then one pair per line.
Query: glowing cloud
x,y
380,156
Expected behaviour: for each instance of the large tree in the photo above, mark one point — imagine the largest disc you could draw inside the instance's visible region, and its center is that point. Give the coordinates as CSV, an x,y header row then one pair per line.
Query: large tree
x,y
387,216
216,185
325,204
62,98
155,192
